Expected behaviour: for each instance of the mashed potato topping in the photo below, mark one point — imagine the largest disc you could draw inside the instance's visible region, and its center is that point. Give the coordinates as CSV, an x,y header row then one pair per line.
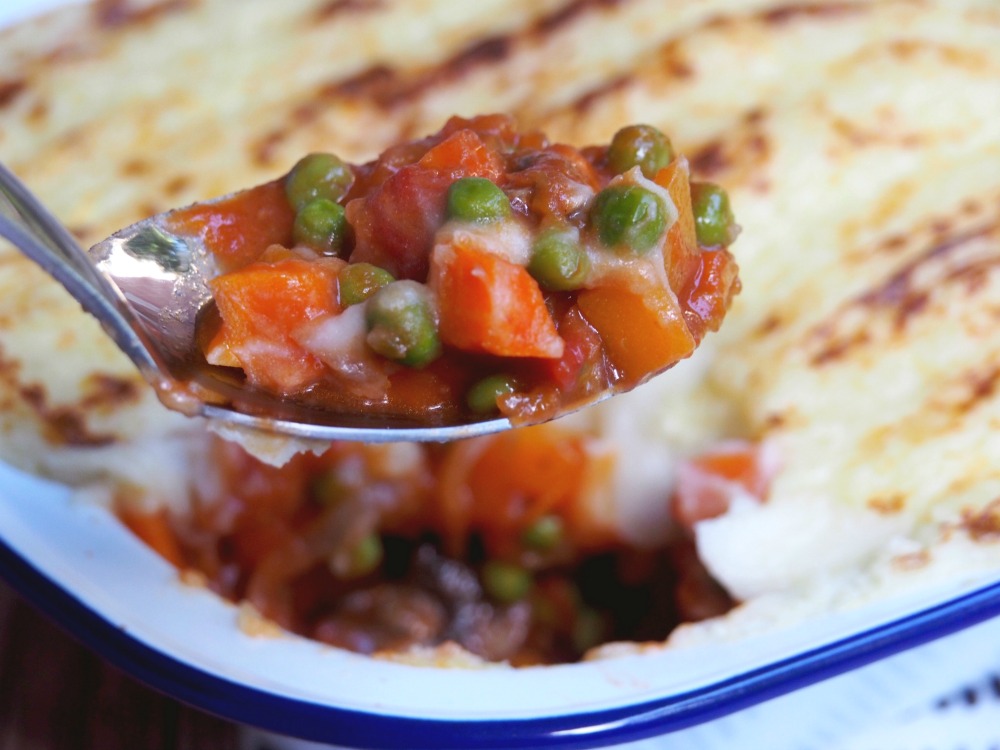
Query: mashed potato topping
x,y
857,140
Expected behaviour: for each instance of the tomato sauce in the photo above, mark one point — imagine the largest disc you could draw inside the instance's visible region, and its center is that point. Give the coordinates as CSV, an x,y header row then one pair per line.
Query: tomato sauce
x,y
238,230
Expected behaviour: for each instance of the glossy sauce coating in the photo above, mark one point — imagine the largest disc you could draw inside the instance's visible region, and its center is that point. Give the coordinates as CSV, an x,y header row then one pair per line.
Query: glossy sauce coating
x,y
475,260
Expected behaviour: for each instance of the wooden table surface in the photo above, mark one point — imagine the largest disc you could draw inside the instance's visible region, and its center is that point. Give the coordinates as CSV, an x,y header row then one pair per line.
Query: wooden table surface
x,y
57,695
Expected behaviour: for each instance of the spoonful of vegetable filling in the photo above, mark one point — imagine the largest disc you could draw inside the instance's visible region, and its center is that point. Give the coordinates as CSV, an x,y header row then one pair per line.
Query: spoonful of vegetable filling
x,y
460,284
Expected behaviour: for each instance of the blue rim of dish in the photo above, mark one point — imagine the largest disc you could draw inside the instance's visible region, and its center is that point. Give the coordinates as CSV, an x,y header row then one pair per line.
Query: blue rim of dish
x,y
323,723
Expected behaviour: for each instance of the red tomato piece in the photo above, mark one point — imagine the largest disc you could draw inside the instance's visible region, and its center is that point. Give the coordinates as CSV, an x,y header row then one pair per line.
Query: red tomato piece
x,y
394,226
490,305
583,349
706,483
710,290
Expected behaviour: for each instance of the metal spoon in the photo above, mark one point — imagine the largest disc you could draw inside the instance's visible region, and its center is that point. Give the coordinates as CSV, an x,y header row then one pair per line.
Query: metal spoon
x,y
147,286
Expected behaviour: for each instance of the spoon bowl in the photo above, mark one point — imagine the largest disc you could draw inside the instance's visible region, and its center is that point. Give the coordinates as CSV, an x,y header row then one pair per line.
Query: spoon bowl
x,y
148,287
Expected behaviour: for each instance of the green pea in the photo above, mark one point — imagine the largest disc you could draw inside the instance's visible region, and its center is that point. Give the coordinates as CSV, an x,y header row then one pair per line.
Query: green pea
x,y
359,281
557,261
360,560
506,582
477,199
329,488
320,225
629,215
366,555
402,324
713,218
544,534
640,146
318,176
482,396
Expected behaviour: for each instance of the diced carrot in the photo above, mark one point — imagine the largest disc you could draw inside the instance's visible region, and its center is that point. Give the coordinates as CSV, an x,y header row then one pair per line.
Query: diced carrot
x,y
217,352
640,336
262,306
682,243
238,229
520,476
490,305
154,529
278,253
463,154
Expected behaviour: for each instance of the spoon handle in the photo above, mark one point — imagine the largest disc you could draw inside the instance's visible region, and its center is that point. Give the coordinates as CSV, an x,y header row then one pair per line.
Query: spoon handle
x,y
36,233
